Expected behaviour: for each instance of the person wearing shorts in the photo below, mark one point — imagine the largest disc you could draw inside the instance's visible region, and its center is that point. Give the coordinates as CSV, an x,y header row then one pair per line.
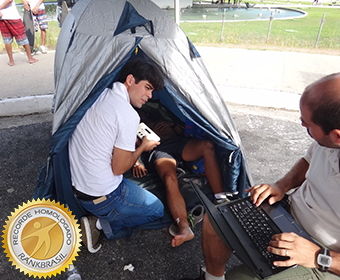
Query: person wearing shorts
x,y
11,26
69,3
40,18
175,148
171,149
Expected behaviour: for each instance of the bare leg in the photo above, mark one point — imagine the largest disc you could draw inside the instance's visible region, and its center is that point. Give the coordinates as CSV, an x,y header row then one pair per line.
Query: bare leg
x,y
216,253
195,149
43,37
10,54
31,60
166,169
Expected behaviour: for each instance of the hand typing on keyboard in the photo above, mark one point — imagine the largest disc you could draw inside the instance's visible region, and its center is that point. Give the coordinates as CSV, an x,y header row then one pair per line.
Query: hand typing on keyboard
x,y
260,193
299,250
275,192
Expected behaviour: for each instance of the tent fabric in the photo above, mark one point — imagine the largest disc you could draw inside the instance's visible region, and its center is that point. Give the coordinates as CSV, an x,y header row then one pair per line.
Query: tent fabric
x,y
130,19
89,51
97,38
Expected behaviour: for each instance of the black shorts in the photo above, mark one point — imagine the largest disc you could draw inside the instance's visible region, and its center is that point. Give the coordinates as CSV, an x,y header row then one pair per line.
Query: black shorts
x,y
171,148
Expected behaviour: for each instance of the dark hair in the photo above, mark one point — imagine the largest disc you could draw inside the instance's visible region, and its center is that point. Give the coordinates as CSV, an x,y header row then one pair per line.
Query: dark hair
x,y
327,114
323,100
141,69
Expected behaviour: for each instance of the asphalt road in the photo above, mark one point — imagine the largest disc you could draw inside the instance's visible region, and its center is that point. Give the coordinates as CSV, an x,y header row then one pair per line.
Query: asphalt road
x,y
273,139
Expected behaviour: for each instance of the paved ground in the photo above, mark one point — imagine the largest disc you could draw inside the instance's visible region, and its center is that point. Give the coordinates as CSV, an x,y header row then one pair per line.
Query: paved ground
x,y
273,139
272,144
265,78
26,88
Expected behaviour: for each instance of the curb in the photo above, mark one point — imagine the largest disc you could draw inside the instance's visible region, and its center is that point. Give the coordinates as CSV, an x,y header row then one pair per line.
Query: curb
x,y
239,95
25,105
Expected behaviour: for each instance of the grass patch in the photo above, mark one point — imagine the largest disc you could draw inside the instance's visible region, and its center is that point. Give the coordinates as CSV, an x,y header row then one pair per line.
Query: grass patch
x,y
277,2
292,33
300,33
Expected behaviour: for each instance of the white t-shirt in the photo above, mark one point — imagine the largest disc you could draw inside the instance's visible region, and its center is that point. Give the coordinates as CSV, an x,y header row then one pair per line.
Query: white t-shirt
x,y
10,12
110,122
316,204
33,3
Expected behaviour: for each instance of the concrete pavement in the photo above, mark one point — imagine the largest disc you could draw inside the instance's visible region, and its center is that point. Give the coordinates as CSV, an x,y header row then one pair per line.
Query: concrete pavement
x,y
266,78
265,133
26,88
252,77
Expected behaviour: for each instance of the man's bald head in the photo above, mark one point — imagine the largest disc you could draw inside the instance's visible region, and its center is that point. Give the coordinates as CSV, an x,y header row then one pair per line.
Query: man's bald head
x,y
323,100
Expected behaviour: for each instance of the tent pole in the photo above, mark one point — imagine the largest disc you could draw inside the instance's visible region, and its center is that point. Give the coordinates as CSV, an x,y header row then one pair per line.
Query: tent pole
x,y
177,10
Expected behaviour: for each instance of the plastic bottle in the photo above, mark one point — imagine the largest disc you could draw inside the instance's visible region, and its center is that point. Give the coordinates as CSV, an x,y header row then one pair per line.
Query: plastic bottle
x,y
73,273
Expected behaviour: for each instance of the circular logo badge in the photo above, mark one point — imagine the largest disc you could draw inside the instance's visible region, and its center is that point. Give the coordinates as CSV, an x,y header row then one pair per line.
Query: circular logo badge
x,y
41,238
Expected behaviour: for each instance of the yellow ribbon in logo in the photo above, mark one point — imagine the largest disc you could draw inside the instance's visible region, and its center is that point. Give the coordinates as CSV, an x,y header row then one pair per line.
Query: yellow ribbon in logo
x,y
41,238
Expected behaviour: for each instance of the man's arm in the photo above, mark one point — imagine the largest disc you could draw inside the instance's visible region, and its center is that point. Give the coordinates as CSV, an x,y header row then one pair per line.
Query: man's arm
x,y
294,178
165,124
123,160
139,170
335,266
5,4
35,9
300,251
26,5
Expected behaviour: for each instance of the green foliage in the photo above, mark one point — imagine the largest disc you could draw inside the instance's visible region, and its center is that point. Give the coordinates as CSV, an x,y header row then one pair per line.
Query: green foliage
x,y
291,33
276,2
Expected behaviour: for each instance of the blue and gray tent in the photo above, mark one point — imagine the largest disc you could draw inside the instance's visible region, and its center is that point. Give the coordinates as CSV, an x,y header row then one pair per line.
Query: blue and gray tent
x,y
97,38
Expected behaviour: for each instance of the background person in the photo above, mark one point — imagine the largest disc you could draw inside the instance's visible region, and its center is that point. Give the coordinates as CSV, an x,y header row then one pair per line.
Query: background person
x,y
11,26
69,3
40,18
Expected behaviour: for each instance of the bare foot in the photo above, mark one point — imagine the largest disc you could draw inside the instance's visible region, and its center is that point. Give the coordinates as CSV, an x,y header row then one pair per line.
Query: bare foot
x,y
185,235
33,60
11,63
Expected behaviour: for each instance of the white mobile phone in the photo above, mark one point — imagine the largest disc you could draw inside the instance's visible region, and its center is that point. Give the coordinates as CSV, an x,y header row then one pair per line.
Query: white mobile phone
x,y
144,130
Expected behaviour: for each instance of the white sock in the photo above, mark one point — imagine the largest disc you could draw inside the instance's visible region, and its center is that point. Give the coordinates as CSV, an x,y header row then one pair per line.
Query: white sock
x,y
208,276
98,225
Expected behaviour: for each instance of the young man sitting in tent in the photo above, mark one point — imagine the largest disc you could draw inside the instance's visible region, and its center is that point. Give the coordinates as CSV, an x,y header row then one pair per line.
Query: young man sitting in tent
x,y
164,159
102,148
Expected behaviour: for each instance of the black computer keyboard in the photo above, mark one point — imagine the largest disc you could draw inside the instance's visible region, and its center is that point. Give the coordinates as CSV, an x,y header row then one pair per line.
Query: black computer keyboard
x,y
257,225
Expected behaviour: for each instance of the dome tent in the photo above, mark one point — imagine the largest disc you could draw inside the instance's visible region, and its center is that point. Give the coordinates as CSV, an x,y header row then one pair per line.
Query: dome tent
x,y
97,38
